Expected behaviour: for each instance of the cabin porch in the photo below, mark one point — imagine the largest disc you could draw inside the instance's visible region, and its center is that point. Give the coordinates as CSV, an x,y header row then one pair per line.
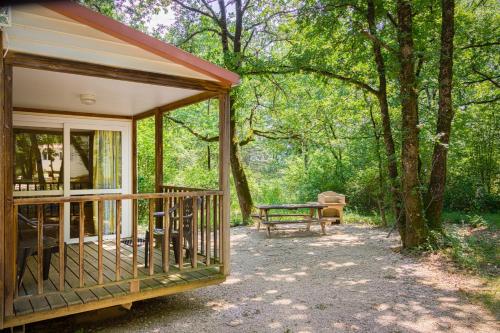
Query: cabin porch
x,y
116,271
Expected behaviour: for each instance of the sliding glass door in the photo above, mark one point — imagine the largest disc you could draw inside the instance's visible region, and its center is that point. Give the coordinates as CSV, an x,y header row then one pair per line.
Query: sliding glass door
x,y
74,158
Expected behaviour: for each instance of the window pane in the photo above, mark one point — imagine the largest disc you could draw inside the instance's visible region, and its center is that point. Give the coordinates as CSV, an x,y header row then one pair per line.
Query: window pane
x,y
96,159
38,161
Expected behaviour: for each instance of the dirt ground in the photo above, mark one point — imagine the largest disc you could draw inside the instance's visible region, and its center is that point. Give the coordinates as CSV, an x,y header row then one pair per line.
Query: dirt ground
x,y
350,280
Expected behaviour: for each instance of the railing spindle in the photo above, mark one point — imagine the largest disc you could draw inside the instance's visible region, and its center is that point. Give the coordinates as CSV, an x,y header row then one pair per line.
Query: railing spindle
x,y
166,236
100,221
221,226
135,205
202,224
180,241
81,235
15,218
207,233
40,249
216,214
62,252
118,239
194,234
151,237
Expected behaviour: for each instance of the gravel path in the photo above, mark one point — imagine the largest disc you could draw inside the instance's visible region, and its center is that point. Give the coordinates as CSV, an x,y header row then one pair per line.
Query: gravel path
x,y
347,281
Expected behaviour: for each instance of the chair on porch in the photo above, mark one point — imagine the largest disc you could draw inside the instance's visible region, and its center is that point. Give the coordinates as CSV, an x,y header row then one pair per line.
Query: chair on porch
x,y
28,245
174,214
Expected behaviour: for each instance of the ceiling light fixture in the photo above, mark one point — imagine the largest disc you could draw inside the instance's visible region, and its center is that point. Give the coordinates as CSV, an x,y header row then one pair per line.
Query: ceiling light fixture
x,y
88,99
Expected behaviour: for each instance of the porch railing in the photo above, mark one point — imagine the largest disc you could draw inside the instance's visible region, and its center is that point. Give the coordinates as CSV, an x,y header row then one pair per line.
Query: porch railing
x,y
204,238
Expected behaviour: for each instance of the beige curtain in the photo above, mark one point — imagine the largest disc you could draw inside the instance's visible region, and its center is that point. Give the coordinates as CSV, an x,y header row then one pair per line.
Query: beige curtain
x,y
107,172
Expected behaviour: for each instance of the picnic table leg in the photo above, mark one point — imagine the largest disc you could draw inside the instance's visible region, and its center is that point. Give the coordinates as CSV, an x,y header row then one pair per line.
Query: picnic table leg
x,y
311,216
266,216
321,221
259,219
268,230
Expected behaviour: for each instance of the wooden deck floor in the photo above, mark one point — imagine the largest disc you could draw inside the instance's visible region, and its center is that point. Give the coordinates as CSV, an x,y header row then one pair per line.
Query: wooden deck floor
x,y
28,302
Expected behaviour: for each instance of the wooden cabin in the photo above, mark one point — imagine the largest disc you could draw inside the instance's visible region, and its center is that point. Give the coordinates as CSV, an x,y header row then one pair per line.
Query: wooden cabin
x,y
74,85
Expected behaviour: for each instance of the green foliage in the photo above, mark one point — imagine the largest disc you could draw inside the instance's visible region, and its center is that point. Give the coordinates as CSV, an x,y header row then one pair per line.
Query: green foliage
x,y
306,133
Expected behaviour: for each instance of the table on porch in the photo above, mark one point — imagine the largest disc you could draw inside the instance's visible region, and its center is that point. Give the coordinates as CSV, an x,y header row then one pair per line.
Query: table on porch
x,y
271,220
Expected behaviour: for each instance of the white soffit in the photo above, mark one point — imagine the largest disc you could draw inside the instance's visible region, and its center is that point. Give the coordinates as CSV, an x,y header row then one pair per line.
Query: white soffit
x,y
39,30
60,91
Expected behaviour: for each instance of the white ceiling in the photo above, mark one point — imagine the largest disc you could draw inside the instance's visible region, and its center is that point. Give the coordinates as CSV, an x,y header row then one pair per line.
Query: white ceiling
x,y
60,91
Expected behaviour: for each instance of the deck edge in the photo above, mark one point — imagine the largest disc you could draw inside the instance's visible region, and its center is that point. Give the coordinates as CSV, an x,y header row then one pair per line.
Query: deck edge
x,y
13,321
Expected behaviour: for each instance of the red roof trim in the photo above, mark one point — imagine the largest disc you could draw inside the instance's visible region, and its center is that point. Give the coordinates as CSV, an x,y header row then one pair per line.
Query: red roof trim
x,y
121,31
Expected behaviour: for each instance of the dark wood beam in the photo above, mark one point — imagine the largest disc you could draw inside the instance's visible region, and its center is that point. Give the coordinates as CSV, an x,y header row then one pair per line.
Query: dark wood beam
x,y
71,113
2,187
83,68
10,230
178,104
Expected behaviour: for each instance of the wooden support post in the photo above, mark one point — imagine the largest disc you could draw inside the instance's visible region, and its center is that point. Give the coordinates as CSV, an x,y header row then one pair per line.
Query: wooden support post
x,y
9,229
2,188
158,159
100,243
224,169
81,235
62,253
118,240
135,216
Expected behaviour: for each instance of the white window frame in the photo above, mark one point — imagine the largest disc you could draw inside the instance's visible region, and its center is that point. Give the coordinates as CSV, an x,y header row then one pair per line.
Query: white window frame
x,y
67,123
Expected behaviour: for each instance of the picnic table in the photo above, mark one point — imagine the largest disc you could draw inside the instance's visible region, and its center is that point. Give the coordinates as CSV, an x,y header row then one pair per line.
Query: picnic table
x,y
271,220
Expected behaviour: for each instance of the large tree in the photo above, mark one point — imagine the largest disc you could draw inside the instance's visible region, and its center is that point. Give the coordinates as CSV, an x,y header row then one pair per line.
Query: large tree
x,y
245,31
437,182
415,227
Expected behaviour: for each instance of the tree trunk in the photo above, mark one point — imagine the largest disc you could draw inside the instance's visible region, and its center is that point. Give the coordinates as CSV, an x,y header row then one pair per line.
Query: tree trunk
x,y
416,230
239,176
38,160
390,149
381,181
435,193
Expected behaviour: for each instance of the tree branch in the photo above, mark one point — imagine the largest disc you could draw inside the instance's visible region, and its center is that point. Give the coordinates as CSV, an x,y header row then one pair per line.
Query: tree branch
x,y
290,70
190,130
191,36
486,101
196,10
486,77
479,45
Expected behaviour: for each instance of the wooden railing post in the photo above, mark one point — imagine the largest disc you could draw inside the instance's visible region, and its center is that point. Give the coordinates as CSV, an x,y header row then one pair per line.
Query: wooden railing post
x,y
207,233
62,253
194,234
151,237
81,235
118,231
180,242
40,250
166,235
216,221
100,231
134,238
